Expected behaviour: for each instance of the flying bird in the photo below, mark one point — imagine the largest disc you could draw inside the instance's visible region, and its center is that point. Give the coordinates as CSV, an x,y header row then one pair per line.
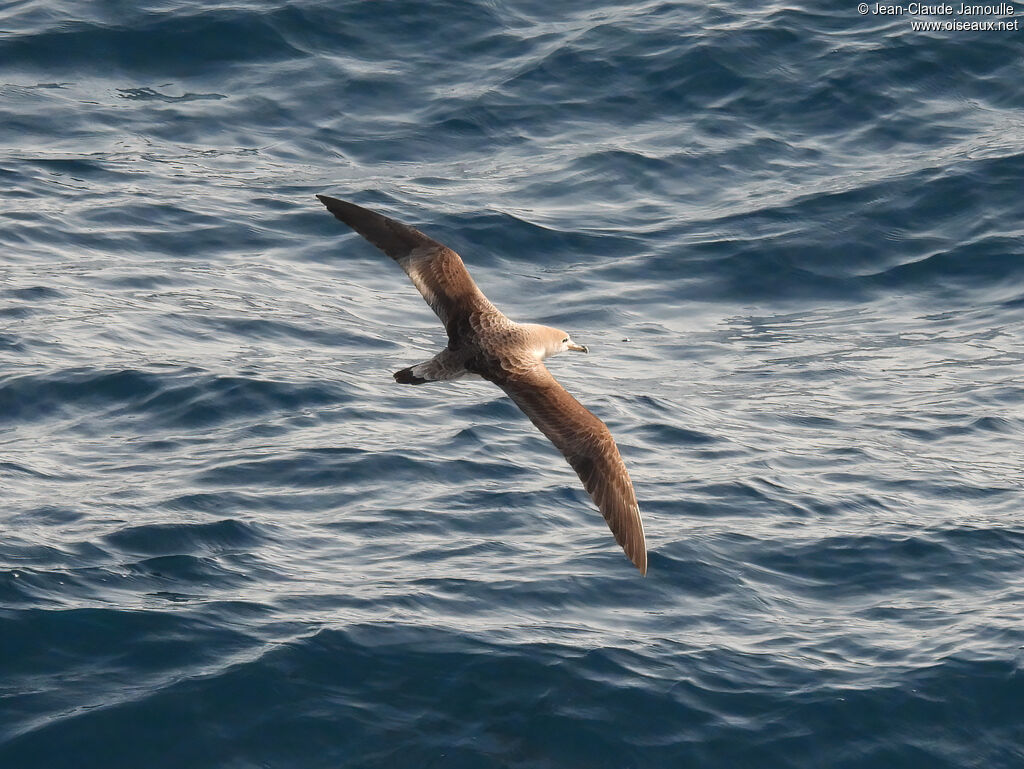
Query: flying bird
x,y
483,342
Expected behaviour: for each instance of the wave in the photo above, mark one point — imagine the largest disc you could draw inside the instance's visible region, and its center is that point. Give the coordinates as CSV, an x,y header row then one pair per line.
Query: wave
x,y
186,400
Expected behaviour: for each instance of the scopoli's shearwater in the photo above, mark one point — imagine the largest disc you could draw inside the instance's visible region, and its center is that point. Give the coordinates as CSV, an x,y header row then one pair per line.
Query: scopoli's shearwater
x,y
484,342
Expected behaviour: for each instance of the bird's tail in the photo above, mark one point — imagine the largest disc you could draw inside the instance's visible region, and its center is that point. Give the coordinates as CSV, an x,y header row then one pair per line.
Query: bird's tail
x,y
407,376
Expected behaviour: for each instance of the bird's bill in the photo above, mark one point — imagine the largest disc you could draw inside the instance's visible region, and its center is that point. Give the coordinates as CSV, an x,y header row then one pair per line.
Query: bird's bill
x,y
578,347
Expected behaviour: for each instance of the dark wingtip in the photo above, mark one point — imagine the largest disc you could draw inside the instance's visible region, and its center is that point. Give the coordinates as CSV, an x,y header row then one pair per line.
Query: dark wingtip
x,y
346,211
636,547
641,563
335,206
390,236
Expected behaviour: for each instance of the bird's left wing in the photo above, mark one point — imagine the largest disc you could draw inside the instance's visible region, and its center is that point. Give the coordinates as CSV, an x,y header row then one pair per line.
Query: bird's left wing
x,y
585,441
436,270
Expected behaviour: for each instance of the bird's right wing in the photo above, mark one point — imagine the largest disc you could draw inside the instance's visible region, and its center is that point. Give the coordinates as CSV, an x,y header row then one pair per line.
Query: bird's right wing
x,y
436,270
585,441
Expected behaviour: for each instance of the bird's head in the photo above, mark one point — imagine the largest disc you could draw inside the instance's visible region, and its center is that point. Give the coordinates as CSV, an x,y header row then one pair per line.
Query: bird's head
x,y
553,341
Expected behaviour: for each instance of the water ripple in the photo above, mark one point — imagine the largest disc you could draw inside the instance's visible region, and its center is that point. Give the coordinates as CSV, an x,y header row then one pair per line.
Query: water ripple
x,y
790,237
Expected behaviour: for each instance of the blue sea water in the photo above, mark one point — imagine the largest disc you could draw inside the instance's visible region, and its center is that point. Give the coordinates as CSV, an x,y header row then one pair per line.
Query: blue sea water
x,y
792,236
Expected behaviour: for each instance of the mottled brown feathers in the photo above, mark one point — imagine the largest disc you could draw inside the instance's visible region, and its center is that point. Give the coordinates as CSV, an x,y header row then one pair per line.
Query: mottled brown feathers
x,y
587,444
481,340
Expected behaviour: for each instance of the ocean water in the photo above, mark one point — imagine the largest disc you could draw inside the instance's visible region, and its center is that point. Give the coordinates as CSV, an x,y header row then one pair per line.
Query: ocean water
x,y
791,236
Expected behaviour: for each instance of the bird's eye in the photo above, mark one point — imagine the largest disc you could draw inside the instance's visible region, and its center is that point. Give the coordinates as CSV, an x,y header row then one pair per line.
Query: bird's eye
x,y
565,340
